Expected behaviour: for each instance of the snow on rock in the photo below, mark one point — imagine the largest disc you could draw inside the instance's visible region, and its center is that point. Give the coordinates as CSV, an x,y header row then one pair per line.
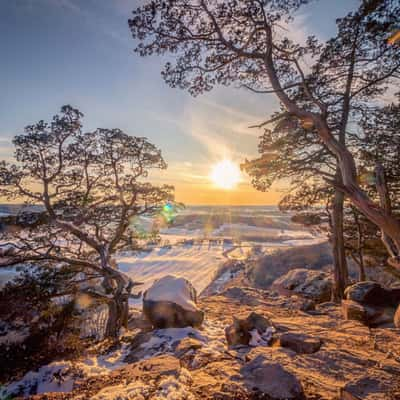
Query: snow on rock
x,y
316,285
263,339
171,303
174,289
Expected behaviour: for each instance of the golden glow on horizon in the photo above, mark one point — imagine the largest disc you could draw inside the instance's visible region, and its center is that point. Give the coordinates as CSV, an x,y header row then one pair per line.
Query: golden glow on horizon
x,y
225,175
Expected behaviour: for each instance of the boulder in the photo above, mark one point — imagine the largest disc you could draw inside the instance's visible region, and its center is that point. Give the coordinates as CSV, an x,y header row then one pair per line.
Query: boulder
x,y
373,294
315,285
272,380
253,330
300,343
368,315
396,319
171,303
354,311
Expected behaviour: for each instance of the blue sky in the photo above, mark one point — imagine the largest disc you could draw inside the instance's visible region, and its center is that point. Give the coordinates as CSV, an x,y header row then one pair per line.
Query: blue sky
x,y
80,52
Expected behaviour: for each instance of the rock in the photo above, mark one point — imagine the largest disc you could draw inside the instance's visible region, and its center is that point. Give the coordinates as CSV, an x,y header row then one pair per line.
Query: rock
x,y
300,343
396,318
316,285
372,293
171,303
370,388
249,330
354,311
368,315
271,379
380,316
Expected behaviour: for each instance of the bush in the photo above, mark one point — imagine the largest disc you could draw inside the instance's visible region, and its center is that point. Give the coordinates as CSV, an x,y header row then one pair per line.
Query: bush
x,y
35,328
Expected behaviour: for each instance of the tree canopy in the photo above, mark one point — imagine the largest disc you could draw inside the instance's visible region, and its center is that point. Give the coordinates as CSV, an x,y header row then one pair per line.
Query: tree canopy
x,y
92,186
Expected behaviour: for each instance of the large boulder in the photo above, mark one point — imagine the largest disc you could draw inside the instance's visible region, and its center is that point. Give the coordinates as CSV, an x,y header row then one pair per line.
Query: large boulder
x,y
372,316
253,330
271,380
373,294
316,285
171,303
371,303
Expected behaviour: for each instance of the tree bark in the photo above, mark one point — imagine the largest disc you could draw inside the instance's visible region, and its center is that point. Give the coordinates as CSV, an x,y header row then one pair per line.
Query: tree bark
x,y
112,330
118,312
338,248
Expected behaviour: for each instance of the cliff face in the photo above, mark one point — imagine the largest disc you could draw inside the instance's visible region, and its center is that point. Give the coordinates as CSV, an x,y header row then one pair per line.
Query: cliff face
x,y
350,362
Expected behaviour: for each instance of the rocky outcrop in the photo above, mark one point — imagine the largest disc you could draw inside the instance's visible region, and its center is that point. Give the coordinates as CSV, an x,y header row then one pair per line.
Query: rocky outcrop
x,y
373,294
354,362
266,269
370,303
315,285
253,330
171,303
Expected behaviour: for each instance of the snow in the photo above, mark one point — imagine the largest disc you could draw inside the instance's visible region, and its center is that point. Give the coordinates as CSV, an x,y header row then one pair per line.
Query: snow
x,y
14,336
263,339
59,376
166,338
174,289
197,262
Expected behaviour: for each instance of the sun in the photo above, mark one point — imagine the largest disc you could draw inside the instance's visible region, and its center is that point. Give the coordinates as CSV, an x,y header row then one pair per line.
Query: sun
x,y
225,174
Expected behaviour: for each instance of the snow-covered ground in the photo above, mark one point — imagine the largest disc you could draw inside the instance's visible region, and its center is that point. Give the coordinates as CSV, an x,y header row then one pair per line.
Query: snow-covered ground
x,y
59,376
197,254
195,262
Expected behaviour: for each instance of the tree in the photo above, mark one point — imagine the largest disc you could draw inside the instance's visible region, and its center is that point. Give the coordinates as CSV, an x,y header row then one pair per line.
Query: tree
x,y
92,186
292,151
226,42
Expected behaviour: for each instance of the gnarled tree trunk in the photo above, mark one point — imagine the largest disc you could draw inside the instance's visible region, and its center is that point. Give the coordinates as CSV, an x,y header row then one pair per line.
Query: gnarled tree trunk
x,y
119,286
118,310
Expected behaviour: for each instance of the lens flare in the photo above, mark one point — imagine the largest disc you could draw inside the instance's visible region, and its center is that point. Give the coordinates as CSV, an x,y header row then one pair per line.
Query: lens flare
x,y
225,174
168,212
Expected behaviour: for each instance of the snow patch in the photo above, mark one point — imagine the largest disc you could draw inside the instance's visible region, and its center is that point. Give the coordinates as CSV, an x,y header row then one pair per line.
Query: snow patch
x,y
59,376
263,339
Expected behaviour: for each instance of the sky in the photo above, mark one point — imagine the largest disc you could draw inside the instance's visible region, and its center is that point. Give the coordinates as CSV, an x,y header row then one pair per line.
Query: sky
x,y
80,52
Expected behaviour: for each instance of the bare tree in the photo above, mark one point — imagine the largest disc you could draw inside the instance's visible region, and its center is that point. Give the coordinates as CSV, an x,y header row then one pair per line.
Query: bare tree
x,y
91,185
226,42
